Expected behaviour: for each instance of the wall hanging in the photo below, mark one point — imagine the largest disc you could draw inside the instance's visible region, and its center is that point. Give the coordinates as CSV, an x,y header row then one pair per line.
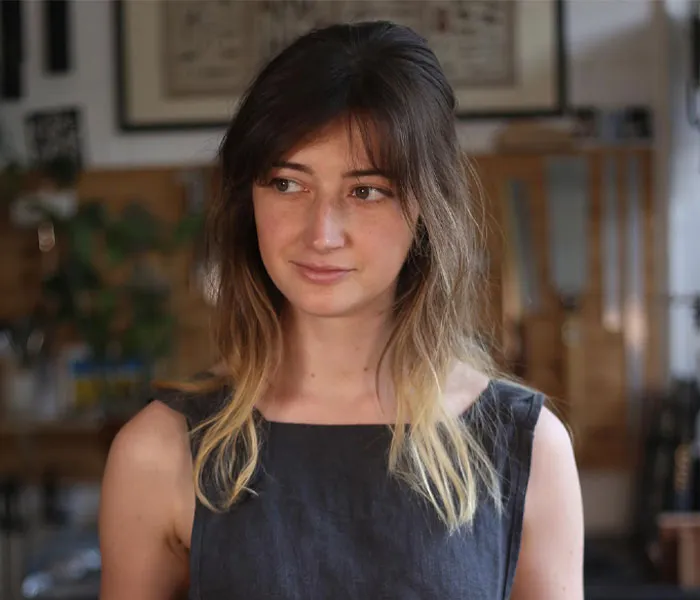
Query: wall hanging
x,y
185,63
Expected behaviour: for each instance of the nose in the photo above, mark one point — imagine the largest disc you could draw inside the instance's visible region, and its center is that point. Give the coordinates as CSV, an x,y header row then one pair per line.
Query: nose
x,y
326,225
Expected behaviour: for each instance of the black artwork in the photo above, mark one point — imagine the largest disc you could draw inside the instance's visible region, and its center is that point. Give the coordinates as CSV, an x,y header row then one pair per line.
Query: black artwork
x,y
11,49
54,135
57,46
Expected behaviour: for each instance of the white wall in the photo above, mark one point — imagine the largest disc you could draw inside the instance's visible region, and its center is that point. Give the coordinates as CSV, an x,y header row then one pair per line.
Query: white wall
x,y
679,165
602,35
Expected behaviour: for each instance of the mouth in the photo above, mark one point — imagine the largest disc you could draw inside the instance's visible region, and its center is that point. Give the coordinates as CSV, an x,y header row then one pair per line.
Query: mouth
x,y
321,273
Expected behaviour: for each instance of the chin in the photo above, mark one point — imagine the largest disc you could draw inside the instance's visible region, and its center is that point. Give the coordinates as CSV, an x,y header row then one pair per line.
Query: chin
x,y
324,305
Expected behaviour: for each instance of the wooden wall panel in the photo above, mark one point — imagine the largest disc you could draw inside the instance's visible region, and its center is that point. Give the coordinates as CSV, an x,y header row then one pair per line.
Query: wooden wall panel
x,y
20,273
574,358
592,307
655,302
539,330
482,192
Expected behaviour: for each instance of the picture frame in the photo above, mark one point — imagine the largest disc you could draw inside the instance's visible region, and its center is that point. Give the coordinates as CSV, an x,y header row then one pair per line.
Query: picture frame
x,y
55,133
184,64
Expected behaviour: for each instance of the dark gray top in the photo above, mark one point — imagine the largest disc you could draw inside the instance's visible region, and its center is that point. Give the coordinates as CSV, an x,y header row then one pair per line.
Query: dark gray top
x,y
328,523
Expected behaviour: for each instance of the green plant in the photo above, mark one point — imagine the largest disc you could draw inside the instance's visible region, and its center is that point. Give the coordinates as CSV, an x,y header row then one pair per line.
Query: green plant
x,y
12,181
108,285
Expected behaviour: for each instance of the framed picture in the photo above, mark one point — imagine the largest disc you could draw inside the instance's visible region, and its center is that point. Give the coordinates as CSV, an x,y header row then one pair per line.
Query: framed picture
x,y
55,134
186,63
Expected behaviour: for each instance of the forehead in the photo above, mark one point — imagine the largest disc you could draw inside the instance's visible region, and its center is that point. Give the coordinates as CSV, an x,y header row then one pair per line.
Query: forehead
x,y
342,141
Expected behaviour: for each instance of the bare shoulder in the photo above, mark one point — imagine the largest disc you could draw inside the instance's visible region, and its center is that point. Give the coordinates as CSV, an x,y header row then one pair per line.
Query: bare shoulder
x,y
151,455
551,434
155,439
146,507
553,471
551,566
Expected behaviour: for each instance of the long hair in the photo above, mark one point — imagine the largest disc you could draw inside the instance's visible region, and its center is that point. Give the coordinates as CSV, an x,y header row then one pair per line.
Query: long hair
x,y
383,79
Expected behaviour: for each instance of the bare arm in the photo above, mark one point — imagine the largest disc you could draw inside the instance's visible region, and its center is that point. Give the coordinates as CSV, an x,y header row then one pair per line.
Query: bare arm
x,y
550,566
146,496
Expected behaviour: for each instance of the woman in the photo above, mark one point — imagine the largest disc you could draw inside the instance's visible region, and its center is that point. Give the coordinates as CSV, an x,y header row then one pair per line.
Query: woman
x,y
354,442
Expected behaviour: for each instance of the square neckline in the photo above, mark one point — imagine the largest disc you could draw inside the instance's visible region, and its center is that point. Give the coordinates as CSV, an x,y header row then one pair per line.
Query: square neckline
x,y
260,417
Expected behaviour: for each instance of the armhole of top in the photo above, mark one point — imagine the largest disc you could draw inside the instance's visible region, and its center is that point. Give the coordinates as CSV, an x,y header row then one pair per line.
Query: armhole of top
x,y
175,401
525,411
194,409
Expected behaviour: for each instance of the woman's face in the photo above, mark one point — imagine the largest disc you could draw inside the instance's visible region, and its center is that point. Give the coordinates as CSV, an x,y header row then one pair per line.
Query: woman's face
x,y
331,231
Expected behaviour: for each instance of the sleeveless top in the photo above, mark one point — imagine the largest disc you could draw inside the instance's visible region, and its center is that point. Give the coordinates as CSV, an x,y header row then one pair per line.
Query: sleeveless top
x,y
327,522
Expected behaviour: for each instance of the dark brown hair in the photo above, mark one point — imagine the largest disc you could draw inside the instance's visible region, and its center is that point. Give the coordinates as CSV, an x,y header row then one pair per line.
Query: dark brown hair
x,y
384,79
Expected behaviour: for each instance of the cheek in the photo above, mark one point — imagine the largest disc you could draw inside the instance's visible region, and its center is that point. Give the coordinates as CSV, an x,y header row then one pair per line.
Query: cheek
x,y
271,228
390,242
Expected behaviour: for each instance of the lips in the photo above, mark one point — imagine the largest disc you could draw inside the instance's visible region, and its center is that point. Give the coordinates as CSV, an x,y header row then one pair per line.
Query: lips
x,y
321,273
322,268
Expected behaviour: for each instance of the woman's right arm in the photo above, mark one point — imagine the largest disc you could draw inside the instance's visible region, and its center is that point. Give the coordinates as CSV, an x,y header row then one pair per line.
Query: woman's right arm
x,y
147,501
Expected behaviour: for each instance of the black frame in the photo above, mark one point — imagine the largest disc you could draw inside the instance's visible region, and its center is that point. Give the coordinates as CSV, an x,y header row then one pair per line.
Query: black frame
x,y
120,80
561,73
75,113
124,125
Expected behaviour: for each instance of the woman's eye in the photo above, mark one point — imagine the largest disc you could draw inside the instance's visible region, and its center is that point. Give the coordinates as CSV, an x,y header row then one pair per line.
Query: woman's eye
x,y
285,186
370,194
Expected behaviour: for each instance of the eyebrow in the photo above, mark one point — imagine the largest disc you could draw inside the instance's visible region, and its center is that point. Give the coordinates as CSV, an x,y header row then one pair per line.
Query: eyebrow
x,y
308,170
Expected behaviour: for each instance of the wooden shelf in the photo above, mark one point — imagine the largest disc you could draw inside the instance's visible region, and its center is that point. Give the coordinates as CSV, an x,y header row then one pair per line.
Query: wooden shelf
x,y
70,450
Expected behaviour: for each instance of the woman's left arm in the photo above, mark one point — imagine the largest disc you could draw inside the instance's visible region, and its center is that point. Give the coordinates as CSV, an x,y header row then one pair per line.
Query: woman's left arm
x,y
550,566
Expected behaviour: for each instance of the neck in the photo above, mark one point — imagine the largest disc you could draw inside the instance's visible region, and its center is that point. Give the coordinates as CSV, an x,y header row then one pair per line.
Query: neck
x,y
334,358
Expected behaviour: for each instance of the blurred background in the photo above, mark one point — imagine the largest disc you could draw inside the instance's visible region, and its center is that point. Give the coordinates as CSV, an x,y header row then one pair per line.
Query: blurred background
x,y
582,120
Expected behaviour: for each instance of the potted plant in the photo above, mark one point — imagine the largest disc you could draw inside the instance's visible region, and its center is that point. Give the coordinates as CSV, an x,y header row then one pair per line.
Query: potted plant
x,y
109,289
